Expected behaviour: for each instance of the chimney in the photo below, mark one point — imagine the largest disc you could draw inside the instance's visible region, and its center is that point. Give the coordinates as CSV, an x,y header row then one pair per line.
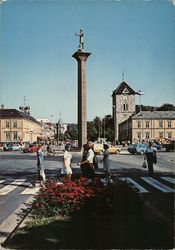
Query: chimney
x,y
2,106
152,109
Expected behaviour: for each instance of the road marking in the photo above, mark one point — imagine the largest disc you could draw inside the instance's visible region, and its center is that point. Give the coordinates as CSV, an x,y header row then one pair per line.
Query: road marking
x,y
136,185
158,185
31,191
7,189
1,181
169,179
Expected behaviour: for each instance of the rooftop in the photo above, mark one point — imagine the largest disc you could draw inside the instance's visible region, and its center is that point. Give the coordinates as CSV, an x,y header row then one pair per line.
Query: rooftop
x,y
124,88
14,113
155,115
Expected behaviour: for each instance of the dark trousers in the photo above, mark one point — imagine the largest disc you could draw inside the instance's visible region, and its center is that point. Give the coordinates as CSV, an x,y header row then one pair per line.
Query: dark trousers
x,y
150,167
87,171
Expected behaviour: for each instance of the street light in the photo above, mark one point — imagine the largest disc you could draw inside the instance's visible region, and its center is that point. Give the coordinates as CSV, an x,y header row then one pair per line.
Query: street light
x,y
140,93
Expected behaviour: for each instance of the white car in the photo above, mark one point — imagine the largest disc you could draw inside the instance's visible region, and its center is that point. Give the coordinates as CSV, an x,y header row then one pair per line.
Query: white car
x,y
16,147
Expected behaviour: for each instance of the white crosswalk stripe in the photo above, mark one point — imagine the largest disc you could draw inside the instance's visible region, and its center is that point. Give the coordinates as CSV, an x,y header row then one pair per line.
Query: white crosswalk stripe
x,y
31,191
135,184
169,179
158,185
1,181
7,189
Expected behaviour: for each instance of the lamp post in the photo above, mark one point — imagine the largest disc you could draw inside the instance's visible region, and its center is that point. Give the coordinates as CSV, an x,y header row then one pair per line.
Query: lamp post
x,y
140,93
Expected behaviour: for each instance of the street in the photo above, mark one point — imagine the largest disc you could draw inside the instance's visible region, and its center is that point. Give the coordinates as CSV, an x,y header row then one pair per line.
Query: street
x,y
18,170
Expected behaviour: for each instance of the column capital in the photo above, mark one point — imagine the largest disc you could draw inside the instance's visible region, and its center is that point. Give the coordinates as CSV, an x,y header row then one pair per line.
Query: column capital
x,y
81,55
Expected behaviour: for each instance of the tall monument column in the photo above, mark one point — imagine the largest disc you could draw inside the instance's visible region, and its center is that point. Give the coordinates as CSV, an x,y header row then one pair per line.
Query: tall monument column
x,y
81,56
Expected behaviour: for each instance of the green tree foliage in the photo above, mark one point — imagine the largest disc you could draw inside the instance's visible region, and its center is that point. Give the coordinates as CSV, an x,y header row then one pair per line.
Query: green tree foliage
x,y
166,107
91,131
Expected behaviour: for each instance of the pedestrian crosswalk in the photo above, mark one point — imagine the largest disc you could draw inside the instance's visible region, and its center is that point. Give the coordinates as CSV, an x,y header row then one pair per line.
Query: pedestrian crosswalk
x,y
9,185
144,185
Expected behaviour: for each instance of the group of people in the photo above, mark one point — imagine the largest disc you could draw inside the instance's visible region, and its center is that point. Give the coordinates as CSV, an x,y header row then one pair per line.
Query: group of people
x,y
88,163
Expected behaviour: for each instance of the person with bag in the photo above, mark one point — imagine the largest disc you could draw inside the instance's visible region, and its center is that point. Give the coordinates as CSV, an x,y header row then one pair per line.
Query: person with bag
x,y
150,156
66,169
40,167
87,164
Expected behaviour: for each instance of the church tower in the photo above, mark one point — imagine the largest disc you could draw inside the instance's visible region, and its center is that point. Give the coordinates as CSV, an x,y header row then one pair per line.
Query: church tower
x,y
123,103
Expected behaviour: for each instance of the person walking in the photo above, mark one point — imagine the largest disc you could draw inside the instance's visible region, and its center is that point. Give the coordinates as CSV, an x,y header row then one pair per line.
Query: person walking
x,y
106,164
150,156
40,167
66,169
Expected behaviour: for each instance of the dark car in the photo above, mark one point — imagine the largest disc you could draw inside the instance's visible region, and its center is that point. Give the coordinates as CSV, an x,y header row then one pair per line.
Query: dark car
x,y
8,147
30,149
132,148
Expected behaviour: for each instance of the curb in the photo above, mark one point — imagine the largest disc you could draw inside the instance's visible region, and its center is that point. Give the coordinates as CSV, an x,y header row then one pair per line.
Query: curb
x,y
11,224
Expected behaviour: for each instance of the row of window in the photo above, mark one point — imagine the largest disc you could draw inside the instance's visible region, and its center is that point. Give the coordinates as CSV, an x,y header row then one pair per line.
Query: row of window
x,y
147,135
147,124
7,136
7,124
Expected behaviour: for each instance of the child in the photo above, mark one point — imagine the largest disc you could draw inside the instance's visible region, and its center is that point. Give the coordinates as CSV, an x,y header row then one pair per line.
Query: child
x,y
66,170
106,163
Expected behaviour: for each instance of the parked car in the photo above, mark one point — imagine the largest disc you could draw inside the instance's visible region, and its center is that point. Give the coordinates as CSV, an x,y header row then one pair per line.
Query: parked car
x,y
114,150
98,149
157,146
30,149
141,148
169,145
132,148
16,147
7,147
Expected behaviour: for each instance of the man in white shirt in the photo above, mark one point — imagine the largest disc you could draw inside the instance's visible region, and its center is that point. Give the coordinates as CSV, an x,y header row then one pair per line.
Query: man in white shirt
x,y
89,167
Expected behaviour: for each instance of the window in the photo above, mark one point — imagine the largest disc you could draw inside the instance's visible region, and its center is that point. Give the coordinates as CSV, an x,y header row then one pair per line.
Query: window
x,y
160,124
169,135
7,124
160,135
139,135
147,124
125,106
139,124
15,136
147,135
169,124
7,136
15,124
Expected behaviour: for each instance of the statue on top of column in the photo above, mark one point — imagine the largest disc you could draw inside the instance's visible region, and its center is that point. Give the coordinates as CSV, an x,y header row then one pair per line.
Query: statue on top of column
x,y
81,44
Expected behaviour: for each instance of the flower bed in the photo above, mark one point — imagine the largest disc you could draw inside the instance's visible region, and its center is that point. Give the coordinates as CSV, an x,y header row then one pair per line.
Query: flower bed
x,y
70,196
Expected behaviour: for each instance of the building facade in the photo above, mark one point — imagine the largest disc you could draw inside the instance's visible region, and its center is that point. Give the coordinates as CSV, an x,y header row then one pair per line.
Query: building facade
x,y
123,103
149,125
18,127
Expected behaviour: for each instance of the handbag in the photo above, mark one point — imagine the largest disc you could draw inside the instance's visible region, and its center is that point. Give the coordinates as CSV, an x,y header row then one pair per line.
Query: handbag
x,y
144,165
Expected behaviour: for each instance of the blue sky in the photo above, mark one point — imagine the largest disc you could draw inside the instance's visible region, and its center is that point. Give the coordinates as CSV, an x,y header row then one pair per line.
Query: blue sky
x,y
38,40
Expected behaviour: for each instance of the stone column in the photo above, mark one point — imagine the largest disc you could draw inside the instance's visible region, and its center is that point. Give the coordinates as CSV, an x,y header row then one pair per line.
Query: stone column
x,y
81,58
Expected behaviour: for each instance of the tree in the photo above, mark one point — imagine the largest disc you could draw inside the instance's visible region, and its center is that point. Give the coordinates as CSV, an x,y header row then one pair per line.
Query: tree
x,y
91,131
166,107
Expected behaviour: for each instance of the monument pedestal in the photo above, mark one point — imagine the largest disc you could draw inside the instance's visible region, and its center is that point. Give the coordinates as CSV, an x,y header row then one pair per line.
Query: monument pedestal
x,y
81,57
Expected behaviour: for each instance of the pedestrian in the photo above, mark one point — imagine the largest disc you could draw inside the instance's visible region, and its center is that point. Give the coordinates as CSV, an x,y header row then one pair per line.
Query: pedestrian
x,y
87,161
150,156
66,169
40,167
106,164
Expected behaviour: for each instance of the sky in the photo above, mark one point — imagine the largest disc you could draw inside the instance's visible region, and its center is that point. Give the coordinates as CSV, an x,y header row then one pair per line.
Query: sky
x,y
37,41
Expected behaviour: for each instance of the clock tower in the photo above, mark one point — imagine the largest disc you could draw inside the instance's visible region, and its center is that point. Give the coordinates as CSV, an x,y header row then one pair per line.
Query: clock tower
x,y
123,103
